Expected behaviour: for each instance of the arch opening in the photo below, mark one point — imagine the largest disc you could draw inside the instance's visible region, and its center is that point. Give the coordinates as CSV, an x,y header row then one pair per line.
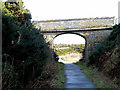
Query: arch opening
x,y
70,47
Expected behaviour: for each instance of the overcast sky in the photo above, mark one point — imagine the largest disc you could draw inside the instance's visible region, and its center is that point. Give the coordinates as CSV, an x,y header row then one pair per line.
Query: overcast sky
x,y
68,9
69,39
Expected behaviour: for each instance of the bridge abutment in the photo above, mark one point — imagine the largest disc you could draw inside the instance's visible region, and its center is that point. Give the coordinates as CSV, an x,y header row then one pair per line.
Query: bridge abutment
x,y
94,38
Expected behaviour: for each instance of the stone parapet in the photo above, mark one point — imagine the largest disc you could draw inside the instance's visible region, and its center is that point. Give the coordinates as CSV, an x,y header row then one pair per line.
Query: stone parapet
x,y
74,23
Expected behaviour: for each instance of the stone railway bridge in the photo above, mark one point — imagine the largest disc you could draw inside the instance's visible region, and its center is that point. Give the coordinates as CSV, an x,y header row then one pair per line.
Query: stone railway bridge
x,y
93,30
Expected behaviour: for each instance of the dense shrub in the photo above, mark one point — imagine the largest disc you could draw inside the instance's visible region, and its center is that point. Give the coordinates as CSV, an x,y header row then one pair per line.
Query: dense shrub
x,y
106,57
24,49
56,57
106,45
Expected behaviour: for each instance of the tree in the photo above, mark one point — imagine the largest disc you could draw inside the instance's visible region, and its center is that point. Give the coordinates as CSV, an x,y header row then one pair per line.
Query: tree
x,y
24,50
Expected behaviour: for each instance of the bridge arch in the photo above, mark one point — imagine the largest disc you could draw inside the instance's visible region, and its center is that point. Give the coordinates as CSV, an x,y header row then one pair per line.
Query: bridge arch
x,y
78,34
92,37
73,34
93,30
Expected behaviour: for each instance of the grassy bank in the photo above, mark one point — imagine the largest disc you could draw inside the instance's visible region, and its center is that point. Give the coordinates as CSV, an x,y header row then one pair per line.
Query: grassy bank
x,y
60,77
99,80
51,77
106,56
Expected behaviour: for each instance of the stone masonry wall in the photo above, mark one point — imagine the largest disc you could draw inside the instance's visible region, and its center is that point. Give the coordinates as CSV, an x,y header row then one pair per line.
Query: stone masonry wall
x,y
74,23
93,38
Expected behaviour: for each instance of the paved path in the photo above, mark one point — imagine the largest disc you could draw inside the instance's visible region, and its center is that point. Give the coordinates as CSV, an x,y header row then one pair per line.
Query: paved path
x,y
75,78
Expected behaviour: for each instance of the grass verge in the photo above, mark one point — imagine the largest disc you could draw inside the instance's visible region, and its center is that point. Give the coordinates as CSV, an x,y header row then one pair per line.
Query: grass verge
x,y
59,81
98,79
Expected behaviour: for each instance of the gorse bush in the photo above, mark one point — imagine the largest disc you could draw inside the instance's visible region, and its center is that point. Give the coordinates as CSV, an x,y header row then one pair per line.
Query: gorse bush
x,y
70,49
24,49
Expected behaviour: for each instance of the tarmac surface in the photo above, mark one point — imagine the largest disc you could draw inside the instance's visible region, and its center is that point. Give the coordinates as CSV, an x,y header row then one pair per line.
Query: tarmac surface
x,y
75,78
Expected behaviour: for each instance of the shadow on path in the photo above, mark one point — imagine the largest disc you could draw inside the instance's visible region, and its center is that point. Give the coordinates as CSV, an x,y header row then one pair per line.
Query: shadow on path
x,y
75,78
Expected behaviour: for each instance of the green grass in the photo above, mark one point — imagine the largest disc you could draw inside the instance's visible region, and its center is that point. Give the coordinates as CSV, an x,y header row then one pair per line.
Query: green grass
x,y
60,76
64,59
98,79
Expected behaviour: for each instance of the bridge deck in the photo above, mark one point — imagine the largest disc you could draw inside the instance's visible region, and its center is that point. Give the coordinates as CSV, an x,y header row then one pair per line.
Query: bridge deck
x,y
76,30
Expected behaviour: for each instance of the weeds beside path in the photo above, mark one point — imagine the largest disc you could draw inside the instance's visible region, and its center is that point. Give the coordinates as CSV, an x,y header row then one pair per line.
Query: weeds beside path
x,y
59,81
99,80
